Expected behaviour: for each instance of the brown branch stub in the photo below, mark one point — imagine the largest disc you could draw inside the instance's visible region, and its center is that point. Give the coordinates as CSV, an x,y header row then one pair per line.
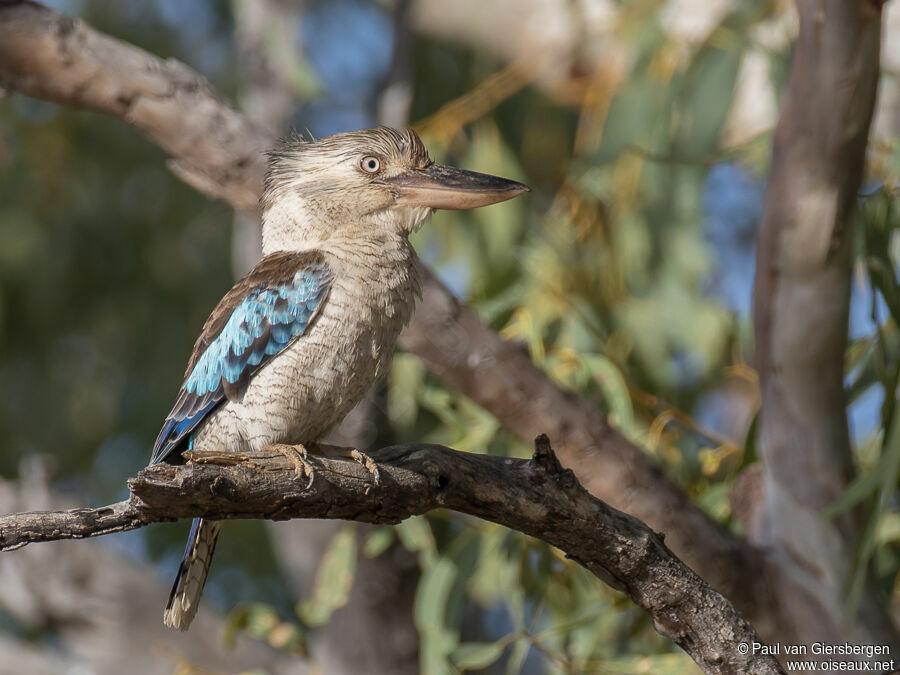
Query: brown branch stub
x,y
544,458
413,480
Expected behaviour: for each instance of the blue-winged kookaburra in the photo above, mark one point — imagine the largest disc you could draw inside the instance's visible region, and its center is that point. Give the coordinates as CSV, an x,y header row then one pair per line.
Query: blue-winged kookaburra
x,y
299,340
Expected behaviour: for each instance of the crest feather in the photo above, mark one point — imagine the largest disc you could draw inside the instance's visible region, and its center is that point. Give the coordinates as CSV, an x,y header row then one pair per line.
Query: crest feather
x,y
293,151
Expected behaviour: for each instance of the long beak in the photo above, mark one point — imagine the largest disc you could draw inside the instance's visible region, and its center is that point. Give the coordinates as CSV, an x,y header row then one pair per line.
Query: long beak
x,y
446,187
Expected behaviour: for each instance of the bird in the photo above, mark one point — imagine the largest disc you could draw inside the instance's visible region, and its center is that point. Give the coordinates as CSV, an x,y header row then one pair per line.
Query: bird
x,y
298,341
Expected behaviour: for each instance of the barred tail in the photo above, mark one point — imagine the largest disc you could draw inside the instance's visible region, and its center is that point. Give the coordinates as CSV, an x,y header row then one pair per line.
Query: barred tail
x,y
185,595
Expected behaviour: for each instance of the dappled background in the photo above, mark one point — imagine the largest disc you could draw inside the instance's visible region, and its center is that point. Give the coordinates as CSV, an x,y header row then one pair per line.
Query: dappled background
x,y
644,129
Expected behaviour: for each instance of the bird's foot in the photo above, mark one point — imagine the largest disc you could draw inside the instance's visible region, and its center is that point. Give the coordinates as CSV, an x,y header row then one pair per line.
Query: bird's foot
x,y
342,452
299,457
367,463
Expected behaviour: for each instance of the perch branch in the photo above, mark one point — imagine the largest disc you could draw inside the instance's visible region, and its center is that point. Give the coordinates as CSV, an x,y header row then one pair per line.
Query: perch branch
x,y
537,497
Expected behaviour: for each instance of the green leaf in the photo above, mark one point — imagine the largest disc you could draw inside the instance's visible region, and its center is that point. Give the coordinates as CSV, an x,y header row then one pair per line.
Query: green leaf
x,y
437,639
886,485
750,442
637,109
615,390
866,361
868,482
334,579
404,384
477,655
247,618
888,530
706,98
518,656
262,622
480,427
415,535
499,229
378,542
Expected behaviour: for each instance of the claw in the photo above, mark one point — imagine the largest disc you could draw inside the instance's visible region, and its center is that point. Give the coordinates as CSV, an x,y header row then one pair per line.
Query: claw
x,y
299,457
368,464
352,454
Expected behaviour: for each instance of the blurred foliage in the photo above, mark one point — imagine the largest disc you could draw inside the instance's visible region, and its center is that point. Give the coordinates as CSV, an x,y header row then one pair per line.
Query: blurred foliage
x,y
260,621
331,587
873,364
610,273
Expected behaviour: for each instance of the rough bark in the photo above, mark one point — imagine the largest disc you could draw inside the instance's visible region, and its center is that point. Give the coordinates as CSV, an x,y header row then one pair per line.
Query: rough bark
x,y
46,55
537,497
802,298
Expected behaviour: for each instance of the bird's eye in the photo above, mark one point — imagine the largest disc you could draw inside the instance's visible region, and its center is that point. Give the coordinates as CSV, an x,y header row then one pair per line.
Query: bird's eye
x,y
370,164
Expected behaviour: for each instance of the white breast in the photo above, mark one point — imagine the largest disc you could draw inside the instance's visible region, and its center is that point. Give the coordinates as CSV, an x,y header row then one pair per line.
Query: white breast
x,y
310,386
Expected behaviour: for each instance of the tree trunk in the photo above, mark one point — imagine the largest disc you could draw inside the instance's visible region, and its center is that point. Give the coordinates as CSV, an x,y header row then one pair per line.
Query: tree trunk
x,y
802,296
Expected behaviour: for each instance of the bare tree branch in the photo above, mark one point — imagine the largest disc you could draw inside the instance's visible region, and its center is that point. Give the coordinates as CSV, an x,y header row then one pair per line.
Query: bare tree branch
x,y
215,149
537,497
802,299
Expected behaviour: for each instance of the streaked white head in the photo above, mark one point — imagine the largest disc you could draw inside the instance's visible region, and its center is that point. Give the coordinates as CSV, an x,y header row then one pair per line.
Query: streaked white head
x,y
362,184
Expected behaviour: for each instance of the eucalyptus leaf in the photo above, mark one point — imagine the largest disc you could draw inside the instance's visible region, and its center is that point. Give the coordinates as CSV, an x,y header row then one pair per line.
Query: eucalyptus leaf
x,y
477,655
517,657
432,596
334,579
378,541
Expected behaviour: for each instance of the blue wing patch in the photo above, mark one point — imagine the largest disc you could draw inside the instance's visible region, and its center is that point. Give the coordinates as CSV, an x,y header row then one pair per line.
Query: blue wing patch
x,y
265,311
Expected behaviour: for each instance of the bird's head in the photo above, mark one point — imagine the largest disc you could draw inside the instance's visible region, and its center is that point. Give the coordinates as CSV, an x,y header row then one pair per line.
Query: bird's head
x,y
375,181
